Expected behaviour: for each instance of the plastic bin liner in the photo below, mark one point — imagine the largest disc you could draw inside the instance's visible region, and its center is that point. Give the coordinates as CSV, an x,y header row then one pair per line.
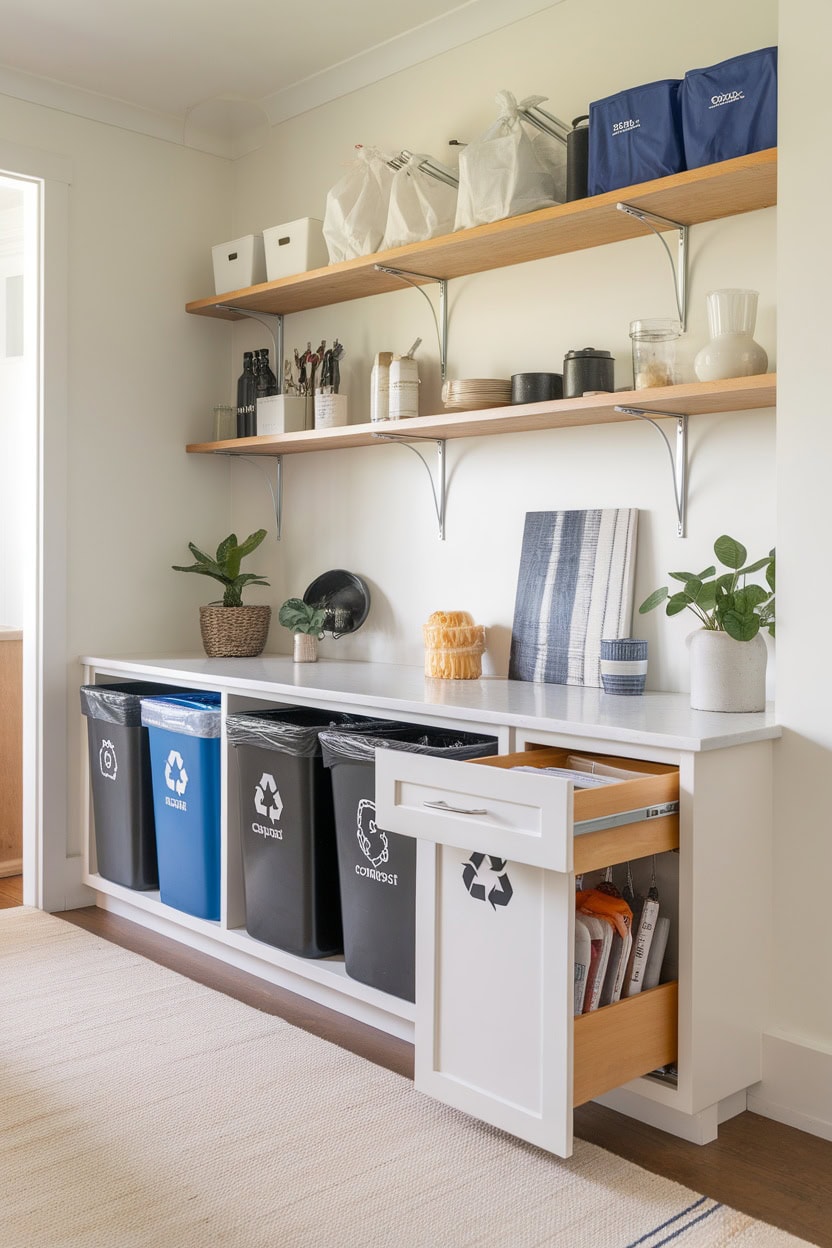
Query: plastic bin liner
x,y
191,714
120,704
293,730
377,869
342,747
635,136
730,109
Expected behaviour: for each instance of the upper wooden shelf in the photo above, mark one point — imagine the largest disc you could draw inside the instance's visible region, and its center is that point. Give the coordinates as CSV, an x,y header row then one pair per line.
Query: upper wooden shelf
x,y
692,399
706,194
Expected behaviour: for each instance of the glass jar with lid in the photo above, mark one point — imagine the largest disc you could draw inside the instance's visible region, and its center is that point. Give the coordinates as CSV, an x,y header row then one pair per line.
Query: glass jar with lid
x,y
654,352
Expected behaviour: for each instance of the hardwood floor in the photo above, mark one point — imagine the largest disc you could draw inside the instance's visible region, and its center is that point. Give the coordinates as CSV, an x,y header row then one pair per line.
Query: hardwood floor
x,y
770,1171
11,891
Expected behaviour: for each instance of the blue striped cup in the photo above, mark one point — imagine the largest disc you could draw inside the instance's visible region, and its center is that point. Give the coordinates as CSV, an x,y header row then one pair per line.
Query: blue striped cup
x,y
623,665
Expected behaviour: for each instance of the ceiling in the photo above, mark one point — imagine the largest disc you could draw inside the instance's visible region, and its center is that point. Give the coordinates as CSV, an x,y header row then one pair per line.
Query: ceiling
x,y
214,74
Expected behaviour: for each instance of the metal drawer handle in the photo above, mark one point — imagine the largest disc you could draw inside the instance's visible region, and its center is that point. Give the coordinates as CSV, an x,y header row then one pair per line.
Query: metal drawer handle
x,y
455,810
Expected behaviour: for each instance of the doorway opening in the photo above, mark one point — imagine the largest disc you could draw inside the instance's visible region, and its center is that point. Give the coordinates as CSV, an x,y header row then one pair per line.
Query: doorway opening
x,y
20,230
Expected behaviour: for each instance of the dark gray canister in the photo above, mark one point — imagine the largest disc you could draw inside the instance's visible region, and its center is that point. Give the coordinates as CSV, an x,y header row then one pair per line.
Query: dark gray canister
x,y
587,369
577,159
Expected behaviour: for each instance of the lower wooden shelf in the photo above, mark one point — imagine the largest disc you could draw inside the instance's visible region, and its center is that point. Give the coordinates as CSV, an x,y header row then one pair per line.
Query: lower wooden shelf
x,y
737,394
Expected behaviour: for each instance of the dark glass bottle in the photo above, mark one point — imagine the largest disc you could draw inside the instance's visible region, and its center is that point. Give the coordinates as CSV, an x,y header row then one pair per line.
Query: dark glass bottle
x,y
266,380
247,398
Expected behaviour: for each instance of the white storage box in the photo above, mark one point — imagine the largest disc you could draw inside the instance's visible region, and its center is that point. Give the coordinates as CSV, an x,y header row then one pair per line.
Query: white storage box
x,y
283,413
295,247
239,264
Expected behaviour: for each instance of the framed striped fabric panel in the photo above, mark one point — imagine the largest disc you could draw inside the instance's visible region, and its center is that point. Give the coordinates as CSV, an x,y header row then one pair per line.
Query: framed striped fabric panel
x,y
574,587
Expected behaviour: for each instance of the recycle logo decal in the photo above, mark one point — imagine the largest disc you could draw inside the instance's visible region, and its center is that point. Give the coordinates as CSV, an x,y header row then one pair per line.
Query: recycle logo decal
x,y
107,760
176,777
500,893
371,838
267,789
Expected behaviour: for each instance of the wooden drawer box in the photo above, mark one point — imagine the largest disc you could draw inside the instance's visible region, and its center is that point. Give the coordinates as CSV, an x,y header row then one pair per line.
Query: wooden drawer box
x,y
499,850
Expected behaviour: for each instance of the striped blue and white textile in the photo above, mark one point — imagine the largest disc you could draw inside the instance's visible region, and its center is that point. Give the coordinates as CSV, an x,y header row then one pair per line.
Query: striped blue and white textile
x,y
574,587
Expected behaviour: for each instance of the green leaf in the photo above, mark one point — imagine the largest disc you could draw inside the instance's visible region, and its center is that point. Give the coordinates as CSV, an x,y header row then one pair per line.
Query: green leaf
x,y
657,596
706,597
195,567
706,572
300,617
730,552
754,567
684,576
677,603
251,543
198,554
741,627
754,595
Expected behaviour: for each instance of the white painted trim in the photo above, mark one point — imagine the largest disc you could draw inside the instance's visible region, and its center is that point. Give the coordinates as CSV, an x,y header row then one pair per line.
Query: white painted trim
x,y
796,1087
462,25
698,1128
28,162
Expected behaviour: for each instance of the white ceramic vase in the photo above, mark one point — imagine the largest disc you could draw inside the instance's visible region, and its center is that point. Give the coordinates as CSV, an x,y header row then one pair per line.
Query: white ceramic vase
x,y
732,351
727,675
305,648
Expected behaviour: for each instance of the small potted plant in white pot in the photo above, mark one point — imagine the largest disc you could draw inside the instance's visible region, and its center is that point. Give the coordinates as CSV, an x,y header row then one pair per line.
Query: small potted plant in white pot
x,y
231,628
728,653
306,622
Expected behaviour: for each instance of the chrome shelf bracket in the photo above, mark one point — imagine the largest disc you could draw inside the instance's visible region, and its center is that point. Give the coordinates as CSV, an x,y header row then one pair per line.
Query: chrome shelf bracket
x,y
437,486
680,267
274,324
275,490
440,322
678,460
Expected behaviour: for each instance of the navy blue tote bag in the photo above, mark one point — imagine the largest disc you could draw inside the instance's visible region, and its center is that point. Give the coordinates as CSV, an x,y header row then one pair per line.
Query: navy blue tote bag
x,y
730,109
635,136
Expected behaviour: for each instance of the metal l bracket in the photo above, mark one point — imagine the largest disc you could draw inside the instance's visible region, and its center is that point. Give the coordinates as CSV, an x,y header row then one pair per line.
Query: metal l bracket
x,y
680,268
678,461
438,495
442,323
274,324
275,490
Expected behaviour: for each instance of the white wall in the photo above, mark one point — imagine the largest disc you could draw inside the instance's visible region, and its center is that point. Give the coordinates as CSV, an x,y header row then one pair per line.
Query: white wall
x,y
15,370
370,510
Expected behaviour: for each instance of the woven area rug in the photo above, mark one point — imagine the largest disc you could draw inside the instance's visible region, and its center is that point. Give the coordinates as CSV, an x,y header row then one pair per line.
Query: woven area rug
x,y
138,1108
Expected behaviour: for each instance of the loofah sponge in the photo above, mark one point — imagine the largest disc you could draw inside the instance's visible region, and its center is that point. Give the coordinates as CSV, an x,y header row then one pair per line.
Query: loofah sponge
x,y
453,646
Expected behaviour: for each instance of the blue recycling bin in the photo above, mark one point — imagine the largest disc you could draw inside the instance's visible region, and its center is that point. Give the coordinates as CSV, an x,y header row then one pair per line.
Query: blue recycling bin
x,y
184,737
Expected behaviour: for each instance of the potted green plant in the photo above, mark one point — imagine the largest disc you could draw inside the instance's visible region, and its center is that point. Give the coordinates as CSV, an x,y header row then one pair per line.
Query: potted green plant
x,y
728,653
306,622
230,628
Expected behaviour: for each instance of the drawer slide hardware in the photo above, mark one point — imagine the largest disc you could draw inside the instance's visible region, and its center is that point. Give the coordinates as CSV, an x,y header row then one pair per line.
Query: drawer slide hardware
x,y
453,810
622,817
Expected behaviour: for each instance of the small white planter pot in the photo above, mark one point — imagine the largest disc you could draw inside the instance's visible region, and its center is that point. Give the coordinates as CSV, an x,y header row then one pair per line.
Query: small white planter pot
x,y
305,648
727,675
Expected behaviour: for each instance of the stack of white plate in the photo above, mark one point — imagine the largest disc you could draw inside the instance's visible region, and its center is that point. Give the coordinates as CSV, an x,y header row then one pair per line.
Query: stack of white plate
x,y
470,394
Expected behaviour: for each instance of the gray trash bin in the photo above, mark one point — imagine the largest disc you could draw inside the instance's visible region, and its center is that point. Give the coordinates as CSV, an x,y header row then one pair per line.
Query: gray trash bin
x,y
377,869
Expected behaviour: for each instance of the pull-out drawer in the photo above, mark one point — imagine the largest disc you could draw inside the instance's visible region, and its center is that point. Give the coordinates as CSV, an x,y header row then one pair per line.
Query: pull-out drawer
x,y
498,853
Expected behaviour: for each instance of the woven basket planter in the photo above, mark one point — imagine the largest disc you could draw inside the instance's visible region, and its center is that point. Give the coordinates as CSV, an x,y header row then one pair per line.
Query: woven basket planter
x,y
234,632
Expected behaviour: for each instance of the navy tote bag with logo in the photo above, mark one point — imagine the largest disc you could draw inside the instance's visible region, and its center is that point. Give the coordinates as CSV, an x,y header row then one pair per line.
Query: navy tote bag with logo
x,y
635,136
730,109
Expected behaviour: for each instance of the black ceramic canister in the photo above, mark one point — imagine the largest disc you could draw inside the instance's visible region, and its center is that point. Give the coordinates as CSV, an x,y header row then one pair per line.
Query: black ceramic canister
x,y
536,387
577,159
587,369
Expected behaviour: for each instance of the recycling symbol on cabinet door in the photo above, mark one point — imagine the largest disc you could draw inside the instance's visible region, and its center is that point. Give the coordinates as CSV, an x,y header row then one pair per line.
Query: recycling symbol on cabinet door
x,y
107,761
372,839
500,893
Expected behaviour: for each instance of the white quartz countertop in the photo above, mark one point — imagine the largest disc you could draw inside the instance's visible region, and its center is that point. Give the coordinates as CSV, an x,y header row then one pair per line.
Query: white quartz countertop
x,y
657,719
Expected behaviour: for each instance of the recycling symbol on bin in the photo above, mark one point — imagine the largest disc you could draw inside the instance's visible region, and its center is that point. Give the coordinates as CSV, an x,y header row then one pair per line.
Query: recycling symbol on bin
x,y
268,789
107,760
371,838
500,893
176,777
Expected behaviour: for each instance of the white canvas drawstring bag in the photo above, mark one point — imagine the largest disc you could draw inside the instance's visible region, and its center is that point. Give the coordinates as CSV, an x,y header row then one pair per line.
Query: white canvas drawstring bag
x,y
420,206
356,208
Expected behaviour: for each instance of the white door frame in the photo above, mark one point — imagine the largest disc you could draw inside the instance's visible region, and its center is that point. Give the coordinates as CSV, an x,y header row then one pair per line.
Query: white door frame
x,y
50,879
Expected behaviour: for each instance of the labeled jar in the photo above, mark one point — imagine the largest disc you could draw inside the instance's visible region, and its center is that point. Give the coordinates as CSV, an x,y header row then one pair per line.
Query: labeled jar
x,y
404,387
654,352
587,369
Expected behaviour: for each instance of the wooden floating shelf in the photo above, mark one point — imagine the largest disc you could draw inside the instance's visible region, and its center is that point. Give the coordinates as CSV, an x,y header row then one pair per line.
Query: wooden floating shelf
x,y
707,194
739,394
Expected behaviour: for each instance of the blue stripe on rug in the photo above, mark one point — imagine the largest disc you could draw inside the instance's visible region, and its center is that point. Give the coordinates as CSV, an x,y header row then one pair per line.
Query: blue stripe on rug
x,y
674,1235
